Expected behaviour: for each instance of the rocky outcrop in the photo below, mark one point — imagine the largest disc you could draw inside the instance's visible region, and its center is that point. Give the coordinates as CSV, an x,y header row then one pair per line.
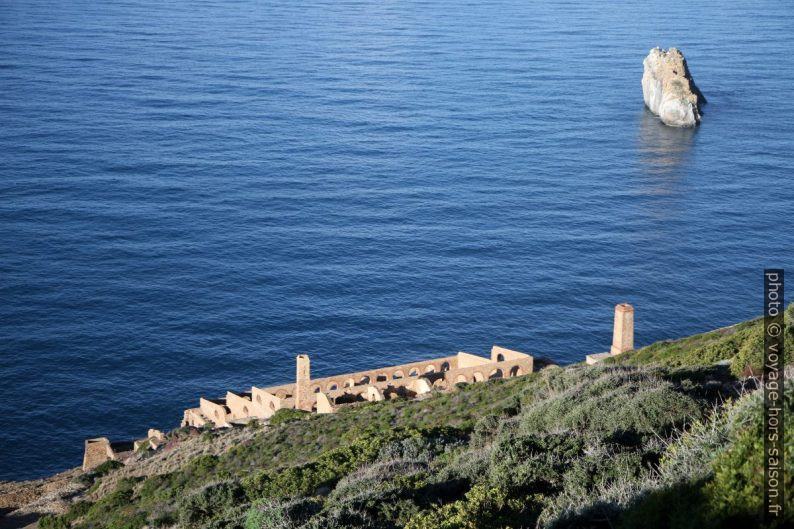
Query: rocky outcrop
x,y
24,502
668,88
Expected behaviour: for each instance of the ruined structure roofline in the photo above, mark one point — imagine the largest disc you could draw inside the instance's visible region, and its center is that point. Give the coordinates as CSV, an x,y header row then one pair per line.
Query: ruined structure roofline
x,y
419,365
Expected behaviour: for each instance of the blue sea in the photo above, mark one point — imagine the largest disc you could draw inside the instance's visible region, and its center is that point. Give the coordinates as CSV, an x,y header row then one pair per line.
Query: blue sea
x,y
193,192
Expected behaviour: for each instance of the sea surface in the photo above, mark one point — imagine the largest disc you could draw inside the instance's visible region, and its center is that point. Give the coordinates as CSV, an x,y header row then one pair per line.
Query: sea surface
x,y
193,192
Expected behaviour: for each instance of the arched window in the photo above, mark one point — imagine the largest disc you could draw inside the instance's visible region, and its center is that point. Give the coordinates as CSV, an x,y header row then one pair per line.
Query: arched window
x,y
397,375
515,371
496,373
462,378
414,372
332,387
430,368
364,380
478,377
245,410
500,357
445,366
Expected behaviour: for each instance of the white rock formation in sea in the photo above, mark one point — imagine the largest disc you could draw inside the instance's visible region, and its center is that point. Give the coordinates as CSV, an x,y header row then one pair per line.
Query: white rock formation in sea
x,y
669,90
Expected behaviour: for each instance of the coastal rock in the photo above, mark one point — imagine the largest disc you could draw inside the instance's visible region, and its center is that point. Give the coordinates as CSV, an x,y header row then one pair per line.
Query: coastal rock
x,y
668,88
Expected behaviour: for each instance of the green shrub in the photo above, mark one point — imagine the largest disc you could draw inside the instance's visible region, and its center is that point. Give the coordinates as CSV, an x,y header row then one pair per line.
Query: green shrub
x,y
749,359
533,463
268,515
107,467
288,415
51,521
324,472
736,492
485,430
253,424
203,465
165,519
627,405
482,508
90,478
713,474
209,502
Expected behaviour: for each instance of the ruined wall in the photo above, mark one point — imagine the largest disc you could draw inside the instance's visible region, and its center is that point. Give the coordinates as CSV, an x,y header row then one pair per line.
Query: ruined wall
x,y
420,386
374,394
469,360
241,407
382,376
491,370
500,354
96,452
266,403
328,393
324,404
193,417
215,412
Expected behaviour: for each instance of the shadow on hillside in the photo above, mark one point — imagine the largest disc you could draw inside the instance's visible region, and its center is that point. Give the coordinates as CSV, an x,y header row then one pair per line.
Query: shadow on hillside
x,y
678,506
713,383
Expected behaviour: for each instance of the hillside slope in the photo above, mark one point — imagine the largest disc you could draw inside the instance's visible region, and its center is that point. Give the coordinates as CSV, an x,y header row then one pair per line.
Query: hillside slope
x,y
614,445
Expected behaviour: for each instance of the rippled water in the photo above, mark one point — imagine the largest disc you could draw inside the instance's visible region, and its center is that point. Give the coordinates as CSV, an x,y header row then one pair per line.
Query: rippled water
x,y
194,192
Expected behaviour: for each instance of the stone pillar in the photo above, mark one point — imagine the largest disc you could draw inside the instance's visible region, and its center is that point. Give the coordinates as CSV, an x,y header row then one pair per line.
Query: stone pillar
x,y
623,332
303,394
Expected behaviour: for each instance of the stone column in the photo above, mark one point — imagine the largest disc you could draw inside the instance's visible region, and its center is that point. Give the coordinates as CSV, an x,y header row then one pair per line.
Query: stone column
x,y
623,332
303,395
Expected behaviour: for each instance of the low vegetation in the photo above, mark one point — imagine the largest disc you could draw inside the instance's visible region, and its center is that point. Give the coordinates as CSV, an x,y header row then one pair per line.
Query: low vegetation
x,y
667,436
741,345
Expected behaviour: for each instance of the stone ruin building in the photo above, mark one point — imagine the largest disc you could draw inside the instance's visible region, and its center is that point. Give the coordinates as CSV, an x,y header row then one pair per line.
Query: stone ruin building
x,y
622,334
327,394
100,449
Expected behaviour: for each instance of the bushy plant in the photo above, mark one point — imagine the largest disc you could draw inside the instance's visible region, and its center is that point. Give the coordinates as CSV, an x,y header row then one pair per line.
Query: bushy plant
x,y
625,404
736,491
267,514
211,501
749,359
307,479
89,478
52,521
164,519
287,415
482,508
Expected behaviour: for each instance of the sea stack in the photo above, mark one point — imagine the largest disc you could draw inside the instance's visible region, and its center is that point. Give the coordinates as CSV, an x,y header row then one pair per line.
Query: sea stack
x,y
669,90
